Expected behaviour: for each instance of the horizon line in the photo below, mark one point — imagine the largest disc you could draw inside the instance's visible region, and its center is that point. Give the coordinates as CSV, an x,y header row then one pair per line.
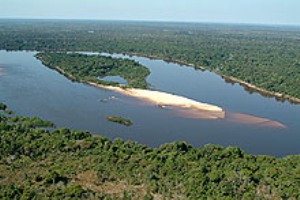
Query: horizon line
x,y
154,21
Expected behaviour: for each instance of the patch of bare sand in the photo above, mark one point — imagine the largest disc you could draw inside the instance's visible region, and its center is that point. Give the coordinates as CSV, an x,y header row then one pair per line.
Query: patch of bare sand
x,y
166,99
183,105
253,120
196,113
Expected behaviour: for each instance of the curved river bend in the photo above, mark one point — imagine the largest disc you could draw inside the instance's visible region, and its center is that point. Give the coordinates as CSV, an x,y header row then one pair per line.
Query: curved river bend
x,y
31,89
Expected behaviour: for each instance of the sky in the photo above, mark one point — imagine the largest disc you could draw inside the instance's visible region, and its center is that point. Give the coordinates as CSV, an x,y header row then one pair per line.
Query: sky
x,y
218,11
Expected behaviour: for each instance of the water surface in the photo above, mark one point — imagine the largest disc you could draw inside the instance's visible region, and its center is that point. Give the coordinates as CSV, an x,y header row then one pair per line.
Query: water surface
x,y
31,89
117,79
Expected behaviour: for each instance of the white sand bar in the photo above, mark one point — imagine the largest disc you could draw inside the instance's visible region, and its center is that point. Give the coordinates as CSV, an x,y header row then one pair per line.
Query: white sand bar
x,y
165,99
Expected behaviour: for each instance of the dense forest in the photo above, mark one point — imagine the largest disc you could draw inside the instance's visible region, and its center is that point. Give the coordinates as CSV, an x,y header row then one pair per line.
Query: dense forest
x,y
38,161
265,56
92,68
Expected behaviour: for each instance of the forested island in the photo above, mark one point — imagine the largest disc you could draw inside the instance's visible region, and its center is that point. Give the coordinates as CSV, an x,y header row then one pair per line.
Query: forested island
x,y
39,163
262,58
89,68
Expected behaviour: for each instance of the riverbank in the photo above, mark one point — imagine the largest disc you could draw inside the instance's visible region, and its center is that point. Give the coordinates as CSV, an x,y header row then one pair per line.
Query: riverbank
x,y
180,105
157,98
247,86
38,176
58,69
263,92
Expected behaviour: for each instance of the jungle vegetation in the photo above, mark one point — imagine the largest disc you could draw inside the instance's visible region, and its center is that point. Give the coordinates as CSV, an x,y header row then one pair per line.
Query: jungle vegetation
x,y
40,163
265,56
86,68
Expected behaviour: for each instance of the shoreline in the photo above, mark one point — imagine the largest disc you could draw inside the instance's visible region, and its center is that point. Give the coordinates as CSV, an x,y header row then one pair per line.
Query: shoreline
x,y
277,95
266,93
247,86
159,98
183,105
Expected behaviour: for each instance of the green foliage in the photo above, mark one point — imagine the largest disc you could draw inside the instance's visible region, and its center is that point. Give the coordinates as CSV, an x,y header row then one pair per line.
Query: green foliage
x,y
119,120
65,164
82,67
31,122
267,57
2,106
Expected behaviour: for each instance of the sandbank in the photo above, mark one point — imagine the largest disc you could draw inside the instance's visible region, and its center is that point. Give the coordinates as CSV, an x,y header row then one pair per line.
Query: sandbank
x,y
253,120
163,99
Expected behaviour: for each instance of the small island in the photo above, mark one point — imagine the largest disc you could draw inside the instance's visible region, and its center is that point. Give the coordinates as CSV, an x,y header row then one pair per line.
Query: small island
x,y
2,106
119,120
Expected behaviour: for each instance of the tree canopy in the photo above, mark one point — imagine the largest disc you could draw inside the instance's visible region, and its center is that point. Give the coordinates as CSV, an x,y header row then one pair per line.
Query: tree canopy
x,y
86,68
264,56
69,164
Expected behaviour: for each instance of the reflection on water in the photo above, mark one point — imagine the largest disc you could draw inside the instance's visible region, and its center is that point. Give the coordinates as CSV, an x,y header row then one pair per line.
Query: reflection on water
x,y
31,89
1,71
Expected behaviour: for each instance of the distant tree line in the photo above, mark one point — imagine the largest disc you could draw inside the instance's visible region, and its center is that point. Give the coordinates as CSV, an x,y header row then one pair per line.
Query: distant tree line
x,y
267,57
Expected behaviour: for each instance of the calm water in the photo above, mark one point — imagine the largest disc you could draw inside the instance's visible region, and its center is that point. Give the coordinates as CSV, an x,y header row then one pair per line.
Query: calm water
x,y
31,89
116,79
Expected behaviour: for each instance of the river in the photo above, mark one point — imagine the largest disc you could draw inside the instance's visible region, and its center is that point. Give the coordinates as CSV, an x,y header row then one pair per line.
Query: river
x,y
31,89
